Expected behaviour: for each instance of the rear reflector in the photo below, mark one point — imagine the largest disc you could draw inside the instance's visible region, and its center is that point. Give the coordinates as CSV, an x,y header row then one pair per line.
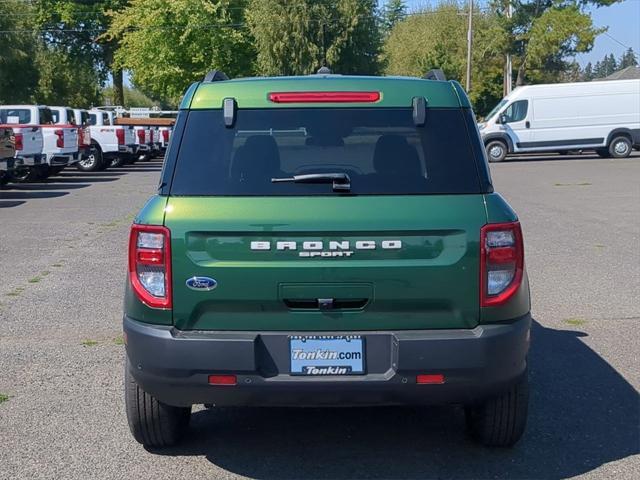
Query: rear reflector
x,y
430,379
324,97
222,380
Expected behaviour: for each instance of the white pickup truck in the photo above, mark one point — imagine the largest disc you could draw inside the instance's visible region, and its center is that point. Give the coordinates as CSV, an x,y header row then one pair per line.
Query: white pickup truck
x,y
59,142
68,116
115,143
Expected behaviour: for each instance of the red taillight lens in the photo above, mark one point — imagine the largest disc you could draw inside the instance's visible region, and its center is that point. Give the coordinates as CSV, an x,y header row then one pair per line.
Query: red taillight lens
x,y
18,141
223,380
165,135
141,135
324,97
60,139
430,379
150,264
501,262
120,136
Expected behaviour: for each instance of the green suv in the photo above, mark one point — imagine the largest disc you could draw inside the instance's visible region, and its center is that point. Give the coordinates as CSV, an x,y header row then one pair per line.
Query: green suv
x,y
326,240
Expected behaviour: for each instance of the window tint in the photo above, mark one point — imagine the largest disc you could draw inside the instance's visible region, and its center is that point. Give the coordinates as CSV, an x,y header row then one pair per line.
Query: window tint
x,y
56,116
15,116
93,119
105,119
517,111
71,118
381,151
46,117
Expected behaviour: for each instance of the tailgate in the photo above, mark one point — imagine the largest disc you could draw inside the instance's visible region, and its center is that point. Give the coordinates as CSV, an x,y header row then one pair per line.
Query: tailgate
x,y
330,263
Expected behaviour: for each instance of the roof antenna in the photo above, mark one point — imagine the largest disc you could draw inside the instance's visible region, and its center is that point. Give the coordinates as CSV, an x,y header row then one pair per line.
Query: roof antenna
x,y
324,70
435,74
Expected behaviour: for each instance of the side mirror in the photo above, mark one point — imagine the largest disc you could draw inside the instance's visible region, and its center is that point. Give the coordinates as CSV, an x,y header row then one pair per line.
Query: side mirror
x,y
503,119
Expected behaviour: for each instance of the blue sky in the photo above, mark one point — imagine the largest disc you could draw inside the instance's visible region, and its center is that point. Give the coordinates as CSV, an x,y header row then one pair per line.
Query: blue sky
x,y
623,20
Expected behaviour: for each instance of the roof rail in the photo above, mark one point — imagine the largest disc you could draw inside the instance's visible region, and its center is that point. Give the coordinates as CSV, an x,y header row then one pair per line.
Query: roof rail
x,y
435,74
215,76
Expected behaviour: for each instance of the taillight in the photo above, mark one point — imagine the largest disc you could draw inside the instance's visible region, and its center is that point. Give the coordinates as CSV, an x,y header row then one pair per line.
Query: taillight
x,y
120,136
141,135
165,135
501,262
150,264
19,145
60,139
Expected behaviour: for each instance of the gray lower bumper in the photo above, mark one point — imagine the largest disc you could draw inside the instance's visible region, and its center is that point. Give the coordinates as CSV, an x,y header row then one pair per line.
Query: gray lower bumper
x,y
174,366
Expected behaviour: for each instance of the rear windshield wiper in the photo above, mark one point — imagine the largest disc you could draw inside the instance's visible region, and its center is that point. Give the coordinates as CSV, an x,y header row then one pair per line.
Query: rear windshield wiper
x,y
340,181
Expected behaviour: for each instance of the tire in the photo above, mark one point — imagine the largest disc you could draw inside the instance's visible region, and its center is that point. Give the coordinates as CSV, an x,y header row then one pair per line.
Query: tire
x,y
496,150
116,162
620,147
500,421
152,423
93,163
33,174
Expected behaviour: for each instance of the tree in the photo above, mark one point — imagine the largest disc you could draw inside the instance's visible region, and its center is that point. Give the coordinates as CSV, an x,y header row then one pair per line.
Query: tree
x,y
298,36
436,38
18,72
393,12
75,28
628,59
545,32
587,73
167,44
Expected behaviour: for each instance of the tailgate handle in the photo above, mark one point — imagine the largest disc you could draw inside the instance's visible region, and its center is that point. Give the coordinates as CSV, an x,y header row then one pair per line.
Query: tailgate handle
x,y
326,303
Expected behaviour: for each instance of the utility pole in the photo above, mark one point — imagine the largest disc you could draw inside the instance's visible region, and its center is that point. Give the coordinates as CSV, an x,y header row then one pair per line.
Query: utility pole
x,y
508,67
469,44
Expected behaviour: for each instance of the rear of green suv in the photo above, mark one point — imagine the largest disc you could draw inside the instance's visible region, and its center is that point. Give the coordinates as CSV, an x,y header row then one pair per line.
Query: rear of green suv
x,y
326,240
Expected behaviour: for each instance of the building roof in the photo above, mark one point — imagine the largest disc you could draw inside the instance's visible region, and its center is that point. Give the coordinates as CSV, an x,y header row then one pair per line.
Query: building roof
x,y
629,73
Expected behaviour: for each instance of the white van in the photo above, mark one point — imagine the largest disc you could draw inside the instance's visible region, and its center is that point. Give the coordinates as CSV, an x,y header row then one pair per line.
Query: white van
x,y
604,116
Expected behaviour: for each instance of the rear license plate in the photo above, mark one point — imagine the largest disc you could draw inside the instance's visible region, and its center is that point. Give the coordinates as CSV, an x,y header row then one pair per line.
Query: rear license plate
x,y
327,355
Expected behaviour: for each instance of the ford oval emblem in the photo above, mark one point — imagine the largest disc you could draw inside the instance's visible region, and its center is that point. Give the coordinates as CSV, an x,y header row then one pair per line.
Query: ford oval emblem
x,y
201,284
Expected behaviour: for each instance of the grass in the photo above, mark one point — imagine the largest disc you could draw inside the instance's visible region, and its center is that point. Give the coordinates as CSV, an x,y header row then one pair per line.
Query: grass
x,y
3,397
15,292
599,245
56,265
45,273
89,343
118,340
34,279
575,322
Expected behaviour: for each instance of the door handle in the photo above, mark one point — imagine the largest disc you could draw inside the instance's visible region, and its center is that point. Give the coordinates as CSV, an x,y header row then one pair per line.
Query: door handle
x,y
527,124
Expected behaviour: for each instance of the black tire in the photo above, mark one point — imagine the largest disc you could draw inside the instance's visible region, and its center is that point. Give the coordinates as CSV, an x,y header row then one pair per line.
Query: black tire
x,y
620,147
116,162
500,421
30,174
152,423
602,152
93,163
496,150
55,170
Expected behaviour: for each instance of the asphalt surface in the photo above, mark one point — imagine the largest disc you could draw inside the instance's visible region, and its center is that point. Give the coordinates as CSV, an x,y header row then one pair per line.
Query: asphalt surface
x,y
62,267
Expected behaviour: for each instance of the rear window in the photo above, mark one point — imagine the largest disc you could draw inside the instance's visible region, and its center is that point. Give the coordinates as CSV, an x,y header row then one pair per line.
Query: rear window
x,y
15,116
46,116
381,151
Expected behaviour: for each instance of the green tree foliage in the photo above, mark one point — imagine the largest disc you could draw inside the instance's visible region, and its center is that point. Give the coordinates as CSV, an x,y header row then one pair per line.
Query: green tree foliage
x,y
628,59
393,12
544,33
298,36
132,98
436,38
167,44
18,72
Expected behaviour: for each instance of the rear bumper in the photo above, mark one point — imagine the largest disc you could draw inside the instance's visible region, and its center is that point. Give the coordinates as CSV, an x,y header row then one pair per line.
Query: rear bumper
x,y
174,366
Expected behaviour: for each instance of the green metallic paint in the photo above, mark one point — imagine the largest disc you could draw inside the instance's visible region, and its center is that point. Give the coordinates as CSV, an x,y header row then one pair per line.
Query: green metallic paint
x,y
395,91
432,282
188,96
153,211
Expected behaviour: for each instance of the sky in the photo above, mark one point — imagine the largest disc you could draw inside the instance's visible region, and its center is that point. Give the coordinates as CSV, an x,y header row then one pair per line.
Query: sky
x,y
623,20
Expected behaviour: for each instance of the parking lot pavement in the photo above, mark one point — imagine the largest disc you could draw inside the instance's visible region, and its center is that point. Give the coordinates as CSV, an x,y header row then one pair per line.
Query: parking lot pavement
x,y
62,266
